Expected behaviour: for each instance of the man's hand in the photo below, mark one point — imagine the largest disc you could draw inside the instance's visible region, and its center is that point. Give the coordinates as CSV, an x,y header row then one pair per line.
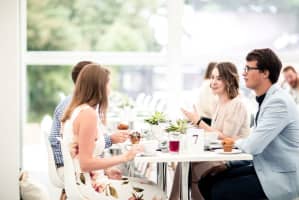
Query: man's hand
x,y
192,116
113,173
119,137
215,170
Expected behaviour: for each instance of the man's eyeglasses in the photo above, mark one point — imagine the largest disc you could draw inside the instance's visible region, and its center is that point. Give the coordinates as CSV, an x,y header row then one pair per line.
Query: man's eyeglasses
x,y
247,68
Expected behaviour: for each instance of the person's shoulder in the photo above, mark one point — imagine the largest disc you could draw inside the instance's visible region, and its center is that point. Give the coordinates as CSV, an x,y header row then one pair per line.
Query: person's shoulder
x,y
87,112
63,104
279,99
280,95
238,100
238,104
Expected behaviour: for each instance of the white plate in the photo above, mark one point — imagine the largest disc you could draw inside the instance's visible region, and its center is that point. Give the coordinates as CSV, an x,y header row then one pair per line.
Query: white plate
x,y
216,142
234,151
215,146
147,154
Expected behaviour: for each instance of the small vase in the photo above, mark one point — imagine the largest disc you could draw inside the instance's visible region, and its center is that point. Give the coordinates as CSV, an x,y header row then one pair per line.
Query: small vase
x,y
156,131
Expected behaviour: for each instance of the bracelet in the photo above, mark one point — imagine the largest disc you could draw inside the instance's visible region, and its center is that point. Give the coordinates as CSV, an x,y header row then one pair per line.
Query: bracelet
x,y
198,122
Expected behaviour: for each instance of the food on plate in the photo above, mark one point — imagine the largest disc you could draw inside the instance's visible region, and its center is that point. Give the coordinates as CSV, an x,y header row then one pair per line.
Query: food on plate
x,y
228,144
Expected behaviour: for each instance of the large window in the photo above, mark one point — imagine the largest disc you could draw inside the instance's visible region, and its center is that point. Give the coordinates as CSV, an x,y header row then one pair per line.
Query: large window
x,y
235,27
97,25
162,45
149,45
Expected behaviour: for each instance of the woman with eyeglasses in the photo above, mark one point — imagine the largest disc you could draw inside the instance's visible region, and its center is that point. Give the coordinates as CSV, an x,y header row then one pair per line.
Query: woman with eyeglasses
x,y
230,119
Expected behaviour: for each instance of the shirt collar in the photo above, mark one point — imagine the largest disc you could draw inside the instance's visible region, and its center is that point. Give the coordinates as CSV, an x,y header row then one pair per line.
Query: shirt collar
x,y
260,99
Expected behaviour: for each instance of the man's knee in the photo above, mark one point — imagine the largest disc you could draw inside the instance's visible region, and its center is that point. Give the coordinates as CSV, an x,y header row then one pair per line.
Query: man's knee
x,y
218,192
204,188
223,190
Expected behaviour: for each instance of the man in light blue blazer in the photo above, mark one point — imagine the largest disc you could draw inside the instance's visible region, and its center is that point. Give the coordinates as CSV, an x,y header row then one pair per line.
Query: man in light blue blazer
x,y
274,142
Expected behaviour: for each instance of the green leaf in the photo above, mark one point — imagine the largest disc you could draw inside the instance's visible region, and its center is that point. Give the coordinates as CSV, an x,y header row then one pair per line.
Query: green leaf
x,y
156,118
179,126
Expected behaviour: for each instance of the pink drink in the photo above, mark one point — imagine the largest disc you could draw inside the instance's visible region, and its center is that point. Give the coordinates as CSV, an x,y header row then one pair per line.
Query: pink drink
x,y
174,146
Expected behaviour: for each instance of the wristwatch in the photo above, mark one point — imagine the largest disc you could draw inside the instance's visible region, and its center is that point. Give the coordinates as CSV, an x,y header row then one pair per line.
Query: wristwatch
x,y
198,122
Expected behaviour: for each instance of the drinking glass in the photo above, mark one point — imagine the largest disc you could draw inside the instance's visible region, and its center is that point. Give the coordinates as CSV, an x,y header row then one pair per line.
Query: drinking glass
x,y
174,142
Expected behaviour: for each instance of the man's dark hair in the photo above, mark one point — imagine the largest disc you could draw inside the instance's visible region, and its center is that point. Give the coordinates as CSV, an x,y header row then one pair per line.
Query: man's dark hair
x,y
287,68
77,68
266,60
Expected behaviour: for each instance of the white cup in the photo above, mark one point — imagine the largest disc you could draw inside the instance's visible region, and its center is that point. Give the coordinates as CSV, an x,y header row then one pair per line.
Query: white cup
x,y
149,146
211,137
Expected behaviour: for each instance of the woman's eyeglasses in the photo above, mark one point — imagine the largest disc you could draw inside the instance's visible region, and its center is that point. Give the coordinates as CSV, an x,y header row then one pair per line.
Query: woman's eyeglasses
x,y
247,68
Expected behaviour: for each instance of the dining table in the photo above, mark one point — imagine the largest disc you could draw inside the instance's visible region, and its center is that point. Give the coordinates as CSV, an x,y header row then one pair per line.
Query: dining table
x,y
162,158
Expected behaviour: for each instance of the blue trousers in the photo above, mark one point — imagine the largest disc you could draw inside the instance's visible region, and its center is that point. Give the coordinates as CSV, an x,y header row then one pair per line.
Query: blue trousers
x,y
238,182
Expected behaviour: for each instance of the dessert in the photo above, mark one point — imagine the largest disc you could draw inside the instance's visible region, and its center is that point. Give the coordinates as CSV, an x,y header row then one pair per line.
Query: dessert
x,y
135,137
123,126
228,144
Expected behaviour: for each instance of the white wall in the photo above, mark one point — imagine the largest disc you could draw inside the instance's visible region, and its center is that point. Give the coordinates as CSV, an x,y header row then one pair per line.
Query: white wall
x,y
9,99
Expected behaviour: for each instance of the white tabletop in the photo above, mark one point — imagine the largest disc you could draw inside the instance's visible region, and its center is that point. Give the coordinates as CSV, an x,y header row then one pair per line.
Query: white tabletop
x,y
205,156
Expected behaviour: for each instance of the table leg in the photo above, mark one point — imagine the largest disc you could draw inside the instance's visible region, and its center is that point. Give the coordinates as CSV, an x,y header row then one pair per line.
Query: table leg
x,y
131,168
184,185
162,176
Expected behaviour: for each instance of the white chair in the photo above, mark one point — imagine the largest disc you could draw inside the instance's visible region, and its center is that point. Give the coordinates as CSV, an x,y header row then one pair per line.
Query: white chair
x,y
139,99
153,103
161,106
46,124
147,101
71,188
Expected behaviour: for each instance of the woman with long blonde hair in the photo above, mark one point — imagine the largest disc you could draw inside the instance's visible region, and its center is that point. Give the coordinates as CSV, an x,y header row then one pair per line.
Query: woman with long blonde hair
x,y
82,130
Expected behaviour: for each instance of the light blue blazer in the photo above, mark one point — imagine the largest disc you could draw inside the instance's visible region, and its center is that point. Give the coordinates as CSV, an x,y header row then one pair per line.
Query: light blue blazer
x,y
274,144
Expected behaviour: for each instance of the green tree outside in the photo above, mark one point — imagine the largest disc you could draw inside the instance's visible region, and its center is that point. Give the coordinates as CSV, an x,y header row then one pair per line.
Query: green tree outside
x,y
54,25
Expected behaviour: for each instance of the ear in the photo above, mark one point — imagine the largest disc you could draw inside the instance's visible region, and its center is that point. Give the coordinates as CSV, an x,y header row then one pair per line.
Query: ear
x,y
266,74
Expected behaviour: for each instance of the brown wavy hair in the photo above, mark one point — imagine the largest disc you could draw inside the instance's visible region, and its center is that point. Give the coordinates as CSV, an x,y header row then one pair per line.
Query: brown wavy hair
x,y
209,70
229,74
90,88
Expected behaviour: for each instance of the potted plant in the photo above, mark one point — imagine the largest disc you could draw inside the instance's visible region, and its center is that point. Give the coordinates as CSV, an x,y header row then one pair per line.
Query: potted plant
x,y
177,132
180,126
154,121
156,118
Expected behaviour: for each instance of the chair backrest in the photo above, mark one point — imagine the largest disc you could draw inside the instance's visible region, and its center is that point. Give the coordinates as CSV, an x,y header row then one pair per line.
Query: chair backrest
x,y
52,172
71,188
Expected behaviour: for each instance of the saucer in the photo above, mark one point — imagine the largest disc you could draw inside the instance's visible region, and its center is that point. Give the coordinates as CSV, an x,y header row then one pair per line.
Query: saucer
x,y
147,154
234,151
